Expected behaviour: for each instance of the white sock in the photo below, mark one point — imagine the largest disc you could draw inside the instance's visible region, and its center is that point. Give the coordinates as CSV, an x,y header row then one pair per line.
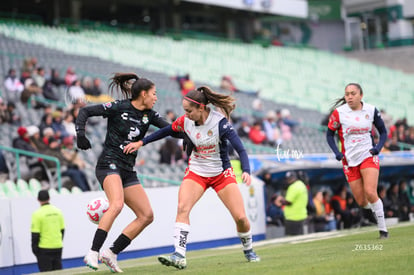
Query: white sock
x,y
246,239
378,209
181,231
368,206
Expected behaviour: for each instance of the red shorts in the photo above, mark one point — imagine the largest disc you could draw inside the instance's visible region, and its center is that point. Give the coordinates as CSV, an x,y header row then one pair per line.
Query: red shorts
x,y
217,182
353,173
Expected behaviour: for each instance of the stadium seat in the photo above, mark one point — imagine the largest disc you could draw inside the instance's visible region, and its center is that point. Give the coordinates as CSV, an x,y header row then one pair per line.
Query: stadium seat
x,y
35,186
53,192
64,191
76,190
22,185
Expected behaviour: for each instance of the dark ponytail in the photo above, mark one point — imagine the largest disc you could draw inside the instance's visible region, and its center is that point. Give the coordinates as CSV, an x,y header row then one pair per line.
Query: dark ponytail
x,y
128,88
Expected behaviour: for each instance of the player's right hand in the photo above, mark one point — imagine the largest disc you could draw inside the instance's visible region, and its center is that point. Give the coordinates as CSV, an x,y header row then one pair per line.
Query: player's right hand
x,y
83,142
132,147
339,156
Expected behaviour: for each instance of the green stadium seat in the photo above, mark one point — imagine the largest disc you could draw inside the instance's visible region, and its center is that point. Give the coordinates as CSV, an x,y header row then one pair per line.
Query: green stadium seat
x,y
76,190
35,186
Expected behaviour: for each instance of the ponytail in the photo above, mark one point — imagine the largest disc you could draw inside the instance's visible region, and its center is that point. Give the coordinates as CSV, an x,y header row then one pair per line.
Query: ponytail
x,y
204,95
122,81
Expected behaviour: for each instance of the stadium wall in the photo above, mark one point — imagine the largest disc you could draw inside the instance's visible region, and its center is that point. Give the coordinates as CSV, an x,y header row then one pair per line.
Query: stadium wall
x,y
211,226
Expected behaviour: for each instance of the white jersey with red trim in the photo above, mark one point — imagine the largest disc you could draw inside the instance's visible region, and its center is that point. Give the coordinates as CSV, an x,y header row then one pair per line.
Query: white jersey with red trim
x,y
354,129
210,158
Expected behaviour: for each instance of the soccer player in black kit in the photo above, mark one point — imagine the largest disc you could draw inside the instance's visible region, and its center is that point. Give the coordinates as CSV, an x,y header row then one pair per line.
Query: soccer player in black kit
x,y
128,121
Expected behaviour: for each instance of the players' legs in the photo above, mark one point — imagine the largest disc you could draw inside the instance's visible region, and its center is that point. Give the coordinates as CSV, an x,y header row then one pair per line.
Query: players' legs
x,y
370,182
231,196
188,195
137,200
114,192
357,189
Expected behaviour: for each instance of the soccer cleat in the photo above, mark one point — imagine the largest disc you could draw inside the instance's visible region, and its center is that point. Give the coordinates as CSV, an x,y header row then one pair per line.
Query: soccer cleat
x,y
176,260
369,215
383,234
109,259
91,259
251,256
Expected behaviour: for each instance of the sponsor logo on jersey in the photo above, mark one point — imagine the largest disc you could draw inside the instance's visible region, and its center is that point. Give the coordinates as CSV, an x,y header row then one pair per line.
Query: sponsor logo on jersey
x,y
366,116
198,136
357,118
145,119
107,105
124,116
357,130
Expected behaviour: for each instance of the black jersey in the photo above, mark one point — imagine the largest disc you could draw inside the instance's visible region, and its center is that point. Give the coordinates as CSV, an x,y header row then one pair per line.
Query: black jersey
x,y
126,124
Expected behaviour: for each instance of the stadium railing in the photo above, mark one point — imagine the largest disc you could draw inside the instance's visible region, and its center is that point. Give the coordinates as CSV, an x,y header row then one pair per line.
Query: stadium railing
x,y
18,153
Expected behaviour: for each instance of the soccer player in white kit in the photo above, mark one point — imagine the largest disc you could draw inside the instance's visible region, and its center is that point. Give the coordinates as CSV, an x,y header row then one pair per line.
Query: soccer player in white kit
x,y
353,120
208,166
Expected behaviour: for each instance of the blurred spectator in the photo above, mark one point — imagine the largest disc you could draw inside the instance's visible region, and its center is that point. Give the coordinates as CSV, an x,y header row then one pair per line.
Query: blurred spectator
x,y
339,205
55,78
354,209
48,133
274,211
185,83
4,114
269,189
14,118
410,137
170,116
76,93
29,65
38,77
13,86
4,171
68,124
77,176
392,145
243,129
35,139
93,91
48,92
57,124
270,129
70,76
46,122
170,152
258,109
393,198
386,118
404,200
256,134
30,89
322,220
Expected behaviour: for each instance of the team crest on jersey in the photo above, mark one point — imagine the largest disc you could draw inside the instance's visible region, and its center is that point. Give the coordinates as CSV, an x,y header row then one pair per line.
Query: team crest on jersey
x,y
145,119
198,136
112,166
210,133
335,124
107,105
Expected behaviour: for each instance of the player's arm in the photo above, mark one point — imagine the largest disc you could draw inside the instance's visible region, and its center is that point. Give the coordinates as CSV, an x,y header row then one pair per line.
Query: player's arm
x,y
160,122
333,125
227,131
380,125
157,135
80,124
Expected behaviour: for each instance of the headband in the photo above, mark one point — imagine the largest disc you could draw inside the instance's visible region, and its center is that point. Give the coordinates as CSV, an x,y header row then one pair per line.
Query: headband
x,y
192,100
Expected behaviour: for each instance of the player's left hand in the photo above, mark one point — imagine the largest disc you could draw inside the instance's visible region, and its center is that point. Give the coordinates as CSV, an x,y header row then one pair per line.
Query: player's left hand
x,y
246,178
374,151
132,147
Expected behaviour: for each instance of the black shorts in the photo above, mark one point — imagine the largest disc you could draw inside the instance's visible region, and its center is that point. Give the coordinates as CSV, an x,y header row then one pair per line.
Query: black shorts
x,y
128,178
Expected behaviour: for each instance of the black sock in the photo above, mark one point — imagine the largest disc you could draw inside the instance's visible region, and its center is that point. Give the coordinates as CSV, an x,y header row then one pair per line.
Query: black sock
x,y
99,239
120,244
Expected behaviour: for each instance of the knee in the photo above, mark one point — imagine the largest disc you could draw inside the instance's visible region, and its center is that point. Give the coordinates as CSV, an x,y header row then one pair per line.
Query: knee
x,y
183,209
116,206
148,217
372,196
242,221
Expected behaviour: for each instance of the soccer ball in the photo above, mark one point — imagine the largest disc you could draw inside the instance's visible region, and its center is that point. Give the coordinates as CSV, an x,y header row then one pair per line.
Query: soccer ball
x,y
96,208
